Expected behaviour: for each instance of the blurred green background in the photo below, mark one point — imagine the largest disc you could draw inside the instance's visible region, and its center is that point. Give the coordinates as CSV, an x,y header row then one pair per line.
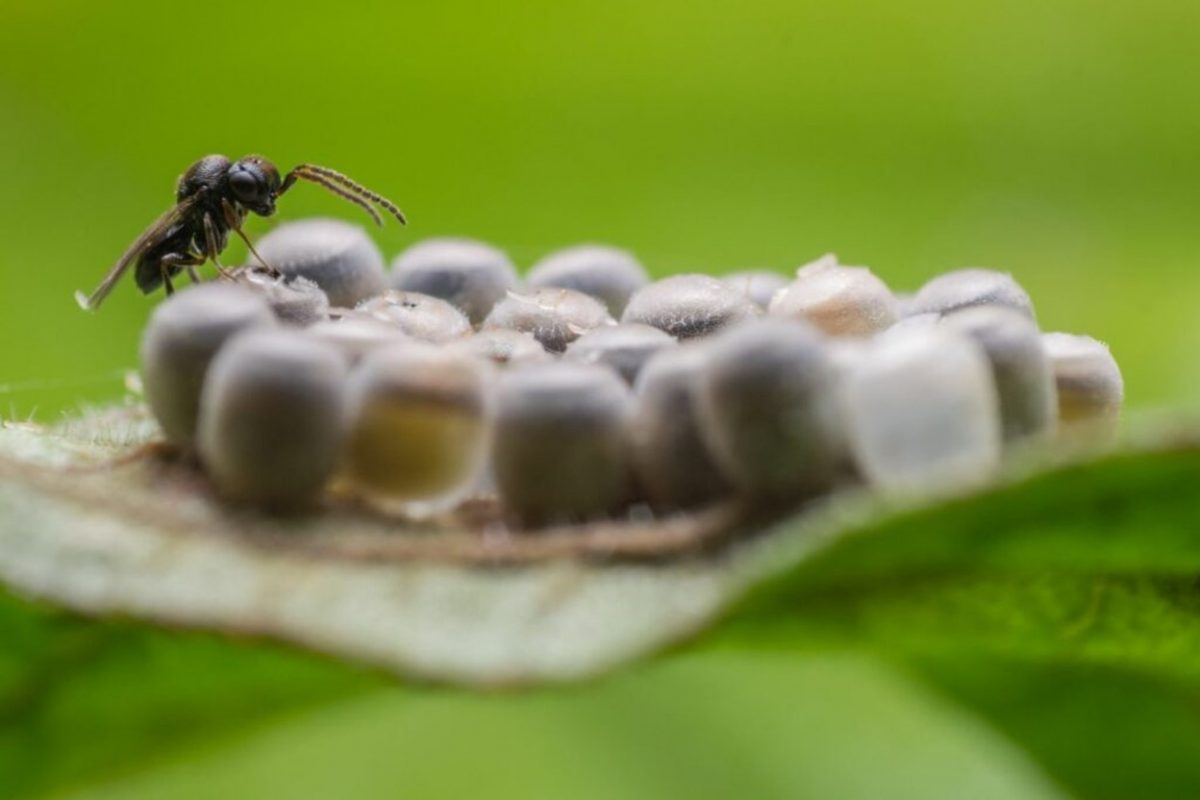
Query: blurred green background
x,y
1055,139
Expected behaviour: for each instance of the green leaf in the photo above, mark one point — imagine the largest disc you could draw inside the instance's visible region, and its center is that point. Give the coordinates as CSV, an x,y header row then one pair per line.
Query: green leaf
x,y
1037,638
1065,609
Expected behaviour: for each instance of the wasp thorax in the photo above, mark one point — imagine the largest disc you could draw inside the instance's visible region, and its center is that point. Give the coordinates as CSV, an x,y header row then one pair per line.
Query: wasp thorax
x,y
297,301
687,306
965,288
608,274
768,408
559,451
836,299
1020,369
1090,388
417,422
337,256
760,285
922,412
425,318
555,317
623,348
675,466
470,275
182,337
271,417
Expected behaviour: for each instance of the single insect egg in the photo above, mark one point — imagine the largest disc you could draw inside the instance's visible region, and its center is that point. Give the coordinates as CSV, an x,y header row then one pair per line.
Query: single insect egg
x,y
624,348
504,347
1021,371
298,301
922,412
838,300
760,285
768,408
687,306
271,417
354,335
555,317
425,318
559,451
674,464
337,256
1090,388
417,422
184,333
470,275
608,274
964,288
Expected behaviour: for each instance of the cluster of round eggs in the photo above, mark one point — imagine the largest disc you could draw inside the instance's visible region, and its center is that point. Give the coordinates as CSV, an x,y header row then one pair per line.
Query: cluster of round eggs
x,y
586,390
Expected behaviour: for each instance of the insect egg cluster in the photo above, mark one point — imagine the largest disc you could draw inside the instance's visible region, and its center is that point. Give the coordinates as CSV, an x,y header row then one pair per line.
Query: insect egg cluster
x,y
588,391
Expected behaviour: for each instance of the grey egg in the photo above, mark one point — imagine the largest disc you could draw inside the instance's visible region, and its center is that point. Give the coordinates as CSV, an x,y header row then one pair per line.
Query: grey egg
x,y
354,335
969,287
760,285
271,417
184,333
417,425
687,306
837,299
337,256
769,409
555,317
425,318
1020,369
1090,388
624,348
675,465
609,274
922,412
504,347
297,301
470,275
559,451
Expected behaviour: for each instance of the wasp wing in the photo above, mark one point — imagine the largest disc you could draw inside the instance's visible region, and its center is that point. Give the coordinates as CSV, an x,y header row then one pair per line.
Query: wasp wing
x,y
151,236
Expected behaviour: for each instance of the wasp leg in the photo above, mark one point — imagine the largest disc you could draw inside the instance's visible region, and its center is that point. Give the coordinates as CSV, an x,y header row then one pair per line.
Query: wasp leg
x,y
231,219
173,262
210,244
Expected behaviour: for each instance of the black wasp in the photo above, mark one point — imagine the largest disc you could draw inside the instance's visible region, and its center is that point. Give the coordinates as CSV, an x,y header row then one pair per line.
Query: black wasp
x,y
213,197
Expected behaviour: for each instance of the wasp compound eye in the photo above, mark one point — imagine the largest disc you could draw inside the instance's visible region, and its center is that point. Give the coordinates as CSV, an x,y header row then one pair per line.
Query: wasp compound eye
x,y
183,335
470,275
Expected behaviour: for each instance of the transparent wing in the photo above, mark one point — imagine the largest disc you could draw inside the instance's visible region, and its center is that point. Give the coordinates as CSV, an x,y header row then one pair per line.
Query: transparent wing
x,y
151,236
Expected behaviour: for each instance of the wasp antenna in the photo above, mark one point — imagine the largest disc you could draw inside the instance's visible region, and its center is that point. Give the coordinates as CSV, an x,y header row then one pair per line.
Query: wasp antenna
x,y
342,193
356,187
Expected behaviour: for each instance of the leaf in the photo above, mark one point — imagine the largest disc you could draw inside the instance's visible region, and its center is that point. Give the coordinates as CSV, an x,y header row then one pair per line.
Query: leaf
x,y
975,644
1065,609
